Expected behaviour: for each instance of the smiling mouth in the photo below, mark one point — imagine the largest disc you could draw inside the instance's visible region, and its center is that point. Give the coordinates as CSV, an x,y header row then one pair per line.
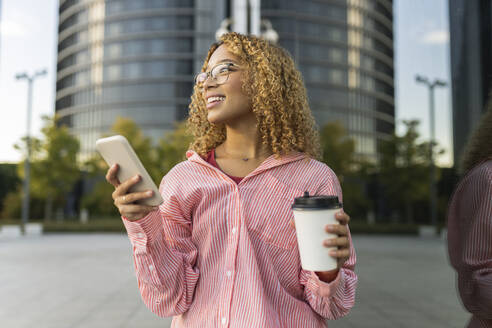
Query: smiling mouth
x,y
214,101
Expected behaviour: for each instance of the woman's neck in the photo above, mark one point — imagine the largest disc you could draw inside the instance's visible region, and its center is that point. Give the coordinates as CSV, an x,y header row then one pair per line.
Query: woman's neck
x,y
243,141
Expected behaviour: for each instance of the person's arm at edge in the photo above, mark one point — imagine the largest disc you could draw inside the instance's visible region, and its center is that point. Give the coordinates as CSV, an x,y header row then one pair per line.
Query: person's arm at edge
x,y
475,262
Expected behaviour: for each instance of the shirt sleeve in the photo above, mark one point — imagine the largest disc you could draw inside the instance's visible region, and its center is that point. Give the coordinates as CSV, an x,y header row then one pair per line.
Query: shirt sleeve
x,y
470,242
164,256
335,299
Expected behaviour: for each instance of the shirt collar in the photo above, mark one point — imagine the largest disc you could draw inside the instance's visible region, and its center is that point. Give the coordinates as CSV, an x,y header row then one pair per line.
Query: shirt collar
x,y
267,164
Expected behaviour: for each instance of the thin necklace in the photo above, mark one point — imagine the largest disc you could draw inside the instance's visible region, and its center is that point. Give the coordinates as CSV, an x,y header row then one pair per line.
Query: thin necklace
x,y
244,159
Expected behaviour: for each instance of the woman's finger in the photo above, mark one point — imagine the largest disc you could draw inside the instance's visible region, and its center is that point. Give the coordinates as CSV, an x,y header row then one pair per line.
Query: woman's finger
x,y
340,253
339,242
111,175
342,217
123,188
337,229
133,197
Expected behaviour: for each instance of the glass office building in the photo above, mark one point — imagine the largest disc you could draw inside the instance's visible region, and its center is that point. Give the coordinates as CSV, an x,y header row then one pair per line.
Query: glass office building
x,y
471,66
126,58
137,59
345,51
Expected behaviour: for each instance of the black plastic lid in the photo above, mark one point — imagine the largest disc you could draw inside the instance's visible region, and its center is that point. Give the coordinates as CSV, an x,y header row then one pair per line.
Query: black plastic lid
x,y
316,202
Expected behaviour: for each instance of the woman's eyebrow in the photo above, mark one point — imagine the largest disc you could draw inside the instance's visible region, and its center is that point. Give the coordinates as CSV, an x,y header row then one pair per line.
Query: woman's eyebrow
x,y
225,60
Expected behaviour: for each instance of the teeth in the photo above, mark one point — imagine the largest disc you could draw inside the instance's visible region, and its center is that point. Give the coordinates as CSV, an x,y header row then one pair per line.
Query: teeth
x,y
212,99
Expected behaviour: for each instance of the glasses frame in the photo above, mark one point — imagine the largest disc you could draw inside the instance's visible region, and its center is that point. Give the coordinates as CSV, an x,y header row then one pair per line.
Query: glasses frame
x,y
215,79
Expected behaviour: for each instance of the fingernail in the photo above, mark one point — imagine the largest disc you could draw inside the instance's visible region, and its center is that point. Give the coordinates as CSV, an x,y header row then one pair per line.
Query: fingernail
x,y
150,192
333,253
327,243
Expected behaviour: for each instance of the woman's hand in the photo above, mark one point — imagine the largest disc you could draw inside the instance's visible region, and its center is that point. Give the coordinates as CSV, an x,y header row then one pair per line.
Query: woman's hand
x,y
124,201
342,254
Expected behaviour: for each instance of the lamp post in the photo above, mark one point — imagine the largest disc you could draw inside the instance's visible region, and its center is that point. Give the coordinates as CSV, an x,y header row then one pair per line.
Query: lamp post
x,y
433,192
246,19
266,30
26,183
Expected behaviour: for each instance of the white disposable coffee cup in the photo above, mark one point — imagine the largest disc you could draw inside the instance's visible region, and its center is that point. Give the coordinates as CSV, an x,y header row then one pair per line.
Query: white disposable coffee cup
x,y
311,215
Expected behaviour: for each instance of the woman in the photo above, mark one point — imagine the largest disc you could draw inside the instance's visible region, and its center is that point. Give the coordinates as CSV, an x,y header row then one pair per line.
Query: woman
x,y
221,250
470,225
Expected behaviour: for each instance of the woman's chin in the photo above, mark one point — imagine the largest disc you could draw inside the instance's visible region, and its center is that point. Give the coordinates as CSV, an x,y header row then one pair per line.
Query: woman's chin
x,y
214,118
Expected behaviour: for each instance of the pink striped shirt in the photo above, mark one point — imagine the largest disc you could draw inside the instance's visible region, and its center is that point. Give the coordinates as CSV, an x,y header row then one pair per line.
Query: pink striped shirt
x,y
470,242
221,254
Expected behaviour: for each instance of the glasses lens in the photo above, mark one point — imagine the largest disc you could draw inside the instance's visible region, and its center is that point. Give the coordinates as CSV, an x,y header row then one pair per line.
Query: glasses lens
x,y
200,78
220,73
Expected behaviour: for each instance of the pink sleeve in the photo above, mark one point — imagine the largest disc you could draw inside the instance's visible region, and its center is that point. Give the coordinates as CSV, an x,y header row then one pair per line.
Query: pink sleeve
x,y
164,258
335,299
470,241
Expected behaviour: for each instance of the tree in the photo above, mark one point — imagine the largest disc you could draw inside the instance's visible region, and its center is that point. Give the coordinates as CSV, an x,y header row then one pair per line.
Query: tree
x,y
339,154
157,160
338,149
99,199
54,168
9,181
404,169
173,146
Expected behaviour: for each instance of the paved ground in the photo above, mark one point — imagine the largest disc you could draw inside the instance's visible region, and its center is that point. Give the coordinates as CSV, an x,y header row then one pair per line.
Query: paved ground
x,y
75,281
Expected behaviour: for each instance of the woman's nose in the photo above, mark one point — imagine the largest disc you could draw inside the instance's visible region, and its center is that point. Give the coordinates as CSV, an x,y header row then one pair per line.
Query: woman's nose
x,y
209,82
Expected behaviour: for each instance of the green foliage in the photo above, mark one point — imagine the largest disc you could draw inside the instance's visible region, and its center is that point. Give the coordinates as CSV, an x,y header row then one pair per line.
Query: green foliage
x,y
383,228
9,181
172,148
400,180
140,143
96,226
405,168
338,149
12,206
53,168
158,161
11,210
99,200
339,155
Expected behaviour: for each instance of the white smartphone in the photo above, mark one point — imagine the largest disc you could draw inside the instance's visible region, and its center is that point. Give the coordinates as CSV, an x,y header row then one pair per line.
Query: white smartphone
x,y
117,150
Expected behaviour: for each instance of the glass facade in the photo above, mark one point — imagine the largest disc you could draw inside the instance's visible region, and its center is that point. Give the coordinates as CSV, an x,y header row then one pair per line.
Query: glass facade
x,y
126,58
344,50
471,66
137,59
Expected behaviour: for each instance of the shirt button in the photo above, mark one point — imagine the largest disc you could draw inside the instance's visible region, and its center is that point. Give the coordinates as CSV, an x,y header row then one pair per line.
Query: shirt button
x,y
229,273
233,230
151,267
140,235
224,321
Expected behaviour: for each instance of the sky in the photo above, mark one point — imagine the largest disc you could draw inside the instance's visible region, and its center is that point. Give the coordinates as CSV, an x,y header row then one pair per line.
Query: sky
x,y
28,41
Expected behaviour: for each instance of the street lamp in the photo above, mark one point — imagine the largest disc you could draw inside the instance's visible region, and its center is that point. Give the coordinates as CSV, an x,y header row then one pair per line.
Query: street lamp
x,y
433,191
268,33
223,29
25,199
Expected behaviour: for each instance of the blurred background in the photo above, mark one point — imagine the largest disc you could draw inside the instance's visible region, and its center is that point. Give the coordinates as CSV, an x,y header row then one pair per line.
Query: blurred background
x,y
395,87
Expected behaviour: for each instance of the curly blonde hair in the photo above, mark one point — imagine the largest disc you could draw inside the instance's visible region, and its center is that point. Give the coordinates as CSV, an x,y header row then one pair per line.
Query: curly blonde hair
x,y
479,146
278,97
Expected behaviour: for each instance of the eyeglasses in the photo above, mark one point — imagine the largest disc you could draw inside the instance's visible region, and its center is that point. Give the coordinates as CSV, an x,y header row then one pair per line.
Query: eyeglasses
x,y
218,74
